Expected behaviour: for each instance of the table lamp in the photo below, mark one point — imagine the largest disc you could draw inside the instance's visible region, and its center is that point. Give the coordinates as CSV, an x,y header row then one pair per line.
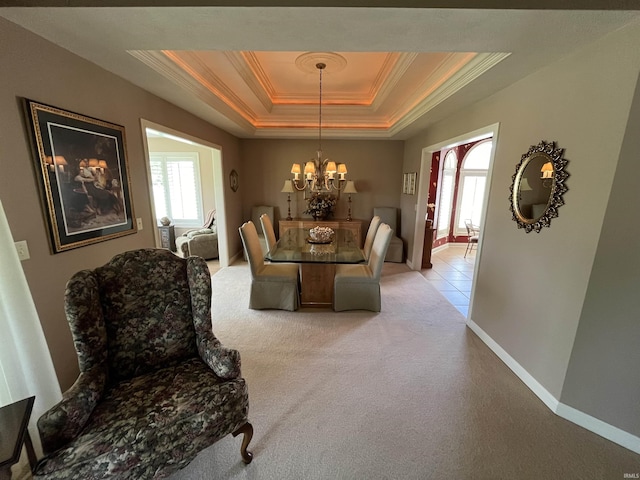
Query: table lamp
x,y
350,188
288,189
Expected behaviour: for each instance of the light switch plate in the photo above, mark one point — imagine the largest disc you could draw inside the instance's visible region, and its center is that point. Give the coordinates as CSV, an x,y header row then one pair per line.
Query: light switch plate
x,y
23,250
139,221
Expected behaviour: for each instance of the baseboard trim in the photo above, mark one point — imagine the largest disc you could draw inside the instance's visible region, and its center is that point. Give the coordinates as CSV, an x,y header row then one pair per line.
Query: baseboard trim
x,y
549,400
571,414
235,258
603,429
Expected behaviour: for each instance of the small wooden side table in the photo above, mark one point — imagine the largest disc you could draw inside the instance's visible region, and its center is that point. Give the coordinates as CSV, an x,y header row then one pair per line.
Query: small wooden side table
x,y
14,420
168,237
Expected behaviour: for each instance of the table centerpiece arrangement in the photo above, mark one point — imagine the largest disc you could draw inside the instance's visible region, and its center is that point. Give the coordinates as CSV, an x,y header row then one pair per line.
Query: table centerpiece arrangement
x,y
321,235
320,206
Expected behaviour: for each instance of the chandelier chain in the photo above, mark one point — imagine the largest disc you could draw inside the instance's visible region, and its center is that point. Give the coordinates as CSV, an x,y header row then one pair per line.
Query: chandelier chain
x,y
320,66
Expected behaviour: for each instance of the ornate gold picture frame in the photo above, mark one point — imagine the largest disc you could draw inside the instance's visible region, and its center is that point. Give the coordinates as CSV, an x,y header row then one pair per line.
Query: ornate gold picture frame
x,y
82,167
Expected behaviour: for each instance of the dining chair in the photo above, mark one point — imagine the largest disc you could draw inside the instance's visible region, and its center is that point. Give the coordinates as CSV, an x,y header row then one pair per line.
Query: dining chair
x,y
389,215
357,286
371,235
267,229
256,213
273,285
472,236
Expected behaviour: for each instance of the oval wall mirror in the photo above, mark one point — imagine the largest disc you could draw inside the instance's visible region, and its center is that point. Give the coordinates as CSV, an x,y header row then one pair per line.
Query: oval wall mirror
x,y
537,186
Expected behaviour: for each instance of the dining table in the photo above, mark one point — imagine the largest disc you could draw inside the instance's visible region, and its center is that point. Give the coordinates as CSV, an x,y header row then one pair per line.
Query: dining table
x,y
317,259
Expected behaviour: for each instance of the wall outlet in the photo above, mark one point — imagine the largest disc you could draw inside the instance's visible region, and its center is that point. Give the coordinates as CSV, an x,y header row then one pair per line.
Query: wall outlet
x,y
23,250
139,221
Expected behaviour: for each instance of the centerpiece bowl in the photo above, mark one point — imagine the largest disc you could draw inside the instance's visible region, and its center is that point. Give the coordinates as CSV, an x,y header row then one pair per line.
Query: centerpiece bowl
x,y
321,235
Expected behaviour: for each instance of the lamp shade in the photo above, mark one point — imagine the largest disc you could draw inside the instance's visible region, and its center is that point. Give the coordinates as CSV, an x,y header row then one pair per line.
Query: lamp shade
x,y
287,187
60,160
350,187
547,170
295,168
102,164
309,167
342,168
331,167
93,162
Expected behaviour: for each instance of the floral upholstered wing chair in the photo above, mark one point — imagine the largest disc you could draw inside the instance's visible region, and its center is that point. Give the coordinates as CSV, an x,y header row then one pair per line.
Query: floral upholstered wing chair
x,y
155,385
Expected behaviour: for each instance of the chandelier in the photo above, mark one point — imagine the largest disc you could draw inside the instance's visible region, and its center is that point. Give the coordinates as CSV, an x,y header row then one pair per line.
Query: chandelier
x,y
320,175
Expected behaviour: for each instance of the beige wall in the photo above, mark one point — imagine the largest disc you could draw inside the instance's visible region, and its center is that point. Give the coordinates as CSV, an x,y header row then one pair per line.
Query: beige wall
x,y
602,377
375,166
531,288
36,69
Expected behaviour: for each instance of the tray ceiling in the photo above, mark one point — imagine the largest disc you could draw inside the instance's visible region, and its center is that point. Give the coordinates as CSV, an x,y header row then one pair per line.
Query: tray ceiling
x,y
404,69
363,93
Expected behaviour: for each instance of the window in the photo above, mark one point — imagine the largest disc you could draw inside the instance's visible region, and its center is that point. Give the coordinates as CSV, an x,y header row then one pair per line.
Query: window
x,y
473,179
176,187
446,193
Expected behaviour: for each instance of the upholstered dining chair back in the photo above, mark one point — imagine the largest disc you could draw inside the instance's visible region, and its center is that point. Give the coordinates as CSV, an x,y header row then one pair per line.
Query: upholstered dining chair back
x,y
273,285
253,250
269,232
357,286
379,250
371,235
257,212
389,215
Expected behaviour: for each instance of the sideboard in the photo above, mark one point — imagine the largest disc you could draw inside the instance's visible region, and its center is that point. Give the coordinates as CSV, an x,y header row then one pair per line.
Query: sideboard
x,y
337,223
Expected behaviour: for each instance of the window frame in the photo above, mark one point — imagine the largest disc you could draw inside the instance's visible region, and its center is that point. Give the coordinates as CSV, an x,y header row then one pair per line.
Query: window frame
x,y
464,173
164,158
440,231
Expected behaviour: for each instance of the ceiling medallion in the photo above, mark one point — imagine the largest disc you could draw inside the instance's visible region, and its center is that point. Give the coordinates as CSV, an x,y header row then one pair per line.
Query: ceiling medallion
x,y
333,62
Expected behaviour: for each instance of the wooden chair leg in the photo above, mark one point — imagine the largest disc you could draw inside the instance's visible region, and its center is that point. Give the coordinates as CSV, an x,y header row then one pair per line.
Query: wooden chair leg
x,y
247,430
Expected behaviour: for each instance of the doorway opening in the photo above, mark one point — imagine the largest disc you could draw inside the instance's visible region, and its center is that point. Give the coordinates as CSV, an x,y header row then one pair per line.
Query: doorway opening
x,y
452,191
185,183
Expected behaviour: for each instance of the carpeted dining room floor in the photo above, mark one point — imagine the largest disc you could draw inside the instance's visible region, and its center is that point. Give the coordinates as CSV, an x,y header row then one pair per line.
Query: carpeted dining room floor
x,y
407,393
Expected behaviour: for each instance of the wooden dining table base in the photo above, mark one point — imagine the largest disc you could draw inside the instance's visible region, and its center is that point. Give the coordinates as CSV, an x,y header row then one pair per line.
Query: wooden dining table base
x,y
317,284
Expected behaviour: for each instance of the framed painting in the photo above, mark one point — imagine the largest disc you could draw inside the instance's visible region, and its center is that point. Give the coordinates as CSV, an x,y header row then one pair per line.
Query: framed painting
x,y
81,164
411,187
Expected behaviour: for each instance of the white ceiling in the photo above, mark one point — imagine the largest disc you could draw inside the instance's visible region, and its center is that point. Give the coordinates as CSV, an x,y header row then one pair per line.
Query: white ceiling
x,y
404,68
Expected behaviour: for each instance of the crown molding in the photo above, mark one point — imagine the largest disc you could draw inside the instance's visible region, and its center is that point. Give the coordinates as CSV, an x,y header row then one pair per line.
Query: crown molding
x,y
472,70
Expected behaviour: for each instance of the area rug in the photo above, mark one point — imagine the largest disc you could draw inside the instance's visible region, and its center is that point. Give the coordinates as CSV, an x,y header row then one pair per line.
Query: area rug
x,y
407,393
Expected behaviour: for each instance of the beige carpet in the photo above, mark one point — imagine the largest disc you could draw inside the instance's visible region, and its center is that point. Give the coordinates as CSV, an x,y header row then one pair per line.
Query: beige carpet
x,y
409,393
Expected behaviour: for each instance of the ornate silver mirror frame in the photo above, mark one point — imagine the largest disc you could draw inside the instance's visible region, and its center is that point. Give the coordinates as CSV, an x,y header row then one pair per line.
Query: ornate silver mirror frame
x,y
537,186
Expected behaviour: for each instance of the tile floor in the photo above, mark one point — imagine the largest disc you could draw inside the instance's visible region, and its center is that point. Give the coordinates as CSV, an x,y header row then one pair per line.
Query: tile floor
x,y
452,275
